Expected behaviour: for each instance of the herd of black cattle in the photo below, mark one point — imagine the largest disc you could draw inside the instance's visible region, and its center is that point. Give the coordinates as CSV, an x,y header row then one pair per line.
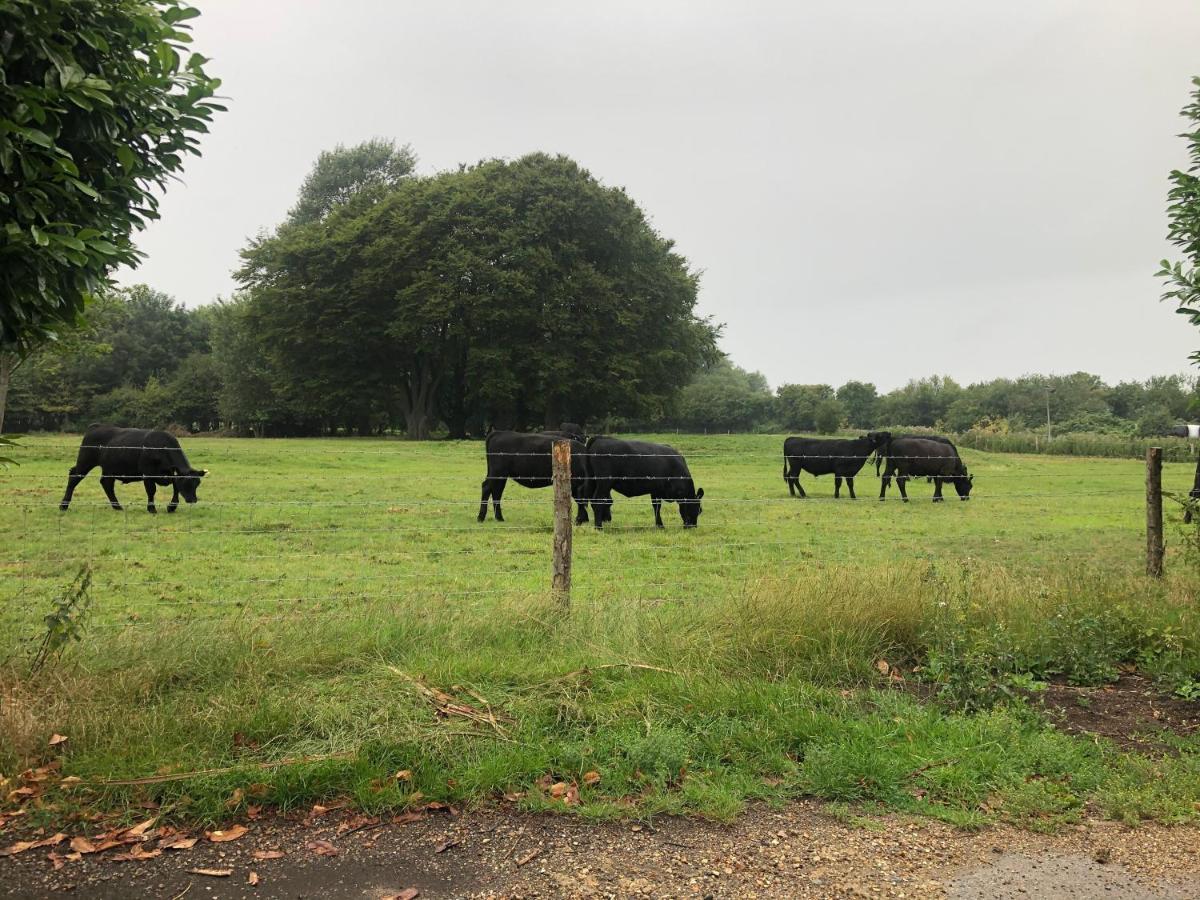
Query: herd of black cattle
x,y
599,466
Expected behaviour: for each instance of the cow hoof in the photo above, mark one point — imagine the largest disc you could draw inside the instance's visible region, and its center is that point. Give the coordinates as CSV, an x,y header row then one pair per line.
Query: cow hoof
x,y
151,510
63,507
938,499
905,499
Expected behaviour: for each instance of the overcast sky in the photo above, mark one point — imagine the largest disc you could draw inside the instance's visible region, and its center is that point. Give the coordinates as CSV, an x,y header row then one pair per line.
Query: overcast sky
x,y
876,190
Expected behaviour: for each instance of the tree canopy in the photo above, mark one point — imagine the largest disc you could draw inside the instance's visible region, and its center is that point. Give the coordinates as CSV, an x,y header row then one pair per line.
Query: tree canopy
x,y
1183,216
344,173
100,101
509,293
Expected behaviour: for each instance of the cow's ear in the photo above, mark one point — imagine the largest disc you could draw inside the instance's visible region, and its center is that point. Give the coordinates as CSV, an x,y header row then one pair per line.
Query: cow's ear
x,y
700,494
202,472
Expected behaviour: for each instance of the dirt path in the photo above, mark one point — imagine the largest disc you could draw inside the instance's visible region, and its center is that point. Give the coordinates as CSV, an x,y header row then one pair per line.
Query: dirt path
x,y
798,851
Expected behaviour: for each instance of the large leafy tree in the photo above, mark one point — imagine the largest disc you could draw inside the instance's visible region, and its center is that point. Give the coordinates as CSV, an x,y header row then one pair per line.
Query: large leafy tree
x,y
100,101
1183,216
510,292
343,174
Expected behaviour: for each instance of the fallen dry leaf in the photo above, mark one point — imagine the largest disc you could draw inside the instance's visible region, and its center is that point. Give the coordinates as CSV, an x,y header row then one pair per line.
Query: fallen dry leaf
x,y
407,818
558,789
56,859
53,841
322,848
56,739
591,778
252,879
571,798
268,854
235,798
403,775
82,845
446,845
137,853
882,666
139,829
229,834
18,847
513,796
179,842
406,894
212,873
253,811
439,806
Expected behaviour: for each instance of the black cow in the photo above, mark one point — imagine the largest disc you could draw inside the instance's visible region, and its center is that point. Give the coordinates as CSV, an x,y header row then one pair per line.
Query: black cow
x,y
912,457
637,468
134,454
528,460
826,456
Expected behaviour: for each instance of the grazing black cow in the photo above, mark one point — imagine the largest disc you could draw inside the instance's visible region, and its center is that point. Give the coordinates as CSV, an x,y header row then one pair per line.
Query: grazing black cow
x,y
824,456
637,468
134,454
924,458
528,460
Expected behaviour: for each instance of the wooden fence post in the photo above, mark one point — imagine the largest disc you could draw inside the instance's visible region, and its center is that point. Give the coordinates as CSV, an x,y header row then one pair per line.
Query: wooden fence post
x,y
1154,514
561,574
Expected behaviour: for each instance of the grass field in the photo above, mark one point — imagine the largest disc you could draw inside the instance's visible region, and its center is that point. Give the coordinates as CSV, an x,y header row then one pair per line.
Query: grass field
x,y
301,607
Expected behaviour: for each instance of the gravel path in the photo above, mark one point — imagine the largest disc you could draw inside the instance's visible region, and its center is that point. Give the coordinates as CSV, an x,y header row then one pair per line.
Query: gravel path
x,y
795,852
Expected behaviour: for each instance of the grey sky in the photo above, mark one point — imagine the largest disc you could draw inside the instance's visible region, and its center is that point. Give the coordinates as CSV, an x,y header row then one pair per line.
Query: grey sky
x,y
875,190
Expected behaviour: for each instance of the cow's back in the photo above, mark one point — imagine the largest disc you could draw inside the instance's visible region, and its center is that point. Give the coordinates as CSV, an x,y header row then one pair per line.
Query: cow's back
x,y
924,456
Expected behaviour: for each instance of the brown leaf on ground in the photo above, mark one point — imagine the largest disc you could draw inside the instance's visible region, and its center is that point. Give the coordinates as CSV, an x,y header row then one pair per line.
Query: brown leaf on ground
x,y
235,798
252,879
558,789
571,797
407,818
322,848
406,894
53,841
229,834
513,796
137,853
268,854
439,806
591,778
881,665
56,739
403,775
253,811
545,781
446,845
18,847
82,845
178,842
212,873
56,859
138,830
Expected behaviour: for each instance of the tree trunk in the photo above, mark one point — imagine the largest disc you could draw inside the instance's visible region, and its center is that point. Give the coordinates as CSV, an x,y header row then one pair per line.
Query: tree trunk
x,y
417,400
8,365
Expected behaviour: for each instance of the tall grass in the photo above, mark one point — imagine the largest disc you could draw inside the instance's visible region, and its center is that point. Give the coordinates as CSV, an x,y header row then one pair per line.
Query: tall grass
x,y
773,690
1109,446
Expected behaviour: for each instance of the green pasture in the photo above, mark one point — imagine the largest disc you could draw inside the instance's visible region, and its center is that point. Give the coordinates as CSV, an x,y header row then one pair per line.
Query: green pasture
x,y
287,614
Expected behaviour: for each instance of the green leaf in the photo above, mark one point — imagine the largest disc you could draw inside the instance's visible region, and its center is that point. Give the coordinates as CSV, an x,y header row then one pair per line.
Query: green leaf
x,y
85,188
39,237
103,247
38,137
126,157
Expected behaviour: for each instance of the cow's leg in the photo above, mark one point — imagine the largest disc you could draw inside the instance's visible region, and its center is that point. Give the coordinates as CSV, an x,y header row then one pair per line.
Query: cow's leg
x,y
497,493
581,512
150,489
837,487
75,476
483,499
850,484
799,486
900,482
601,506
109,483
656,502
884,482
789,478
937,489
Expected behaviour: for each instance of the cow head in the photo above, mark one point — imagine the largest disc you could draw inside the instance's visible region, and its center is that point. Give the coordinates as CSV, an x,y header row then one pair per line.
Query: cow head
x,y
963,484
187,482
689,510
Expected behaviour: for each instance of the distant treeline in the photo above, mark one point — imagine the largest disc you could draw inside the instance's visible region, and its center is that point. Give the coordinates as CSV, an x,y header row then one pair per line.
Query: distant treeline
x,y
146,360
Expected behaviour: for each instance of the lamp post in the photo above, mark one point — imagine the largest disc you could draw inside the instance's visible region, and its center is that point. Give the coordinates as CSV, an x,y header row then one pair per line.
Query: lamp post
x,y
1049,391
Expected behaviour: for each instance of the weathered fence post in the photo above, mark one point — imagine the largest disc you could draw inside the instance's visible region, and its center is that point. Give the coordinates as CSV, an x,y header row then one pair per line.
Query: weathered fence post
x,y
561,574
1154,515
